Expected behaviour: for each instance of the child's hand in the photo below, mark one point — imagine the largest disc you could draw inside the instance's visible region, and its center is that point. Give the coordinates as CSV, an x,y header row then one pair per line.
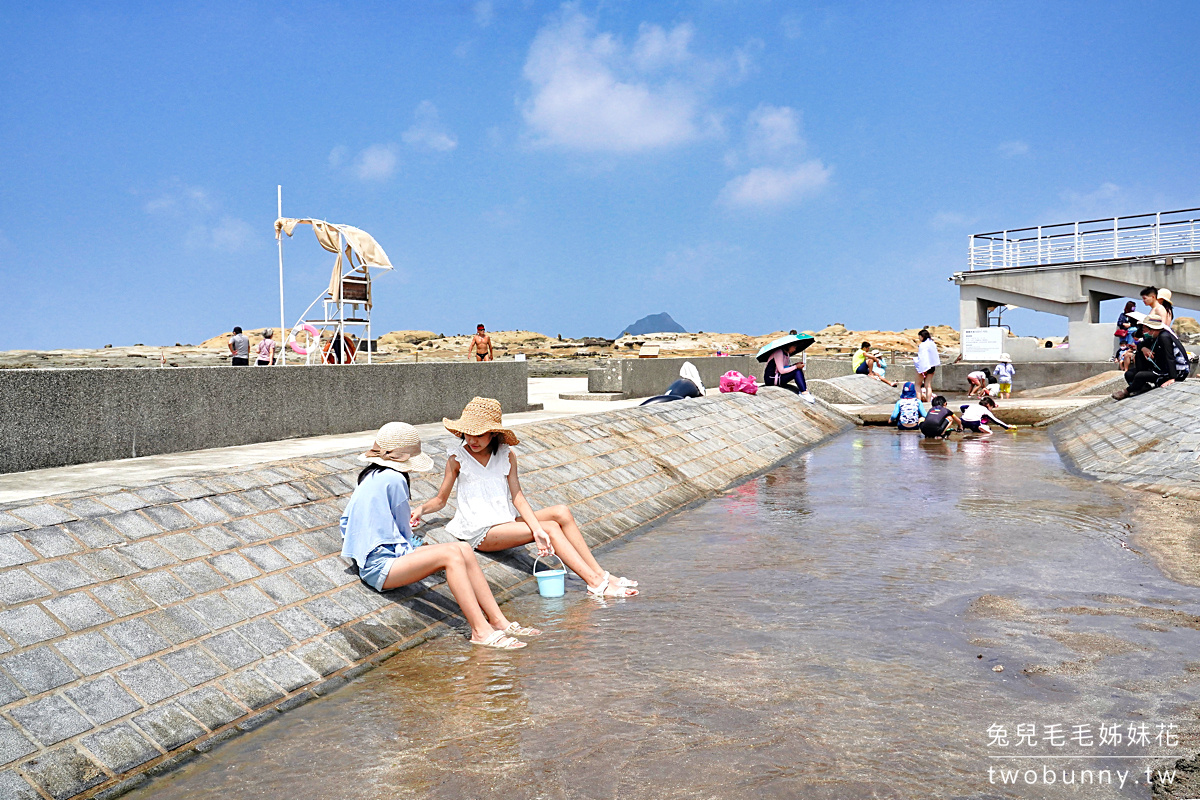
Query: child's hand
x,y
542,540
414,519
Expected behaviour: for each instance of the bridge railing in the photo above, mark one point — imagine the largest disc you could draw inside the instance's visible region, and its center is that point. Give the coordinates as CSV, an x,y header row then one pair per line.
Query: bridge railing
x,y
1087,240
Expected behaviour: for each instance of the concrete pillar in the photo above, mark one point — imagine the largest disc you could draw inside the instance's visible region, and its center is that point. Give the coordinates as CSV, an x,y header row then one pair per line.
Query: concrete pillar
x,y
972,312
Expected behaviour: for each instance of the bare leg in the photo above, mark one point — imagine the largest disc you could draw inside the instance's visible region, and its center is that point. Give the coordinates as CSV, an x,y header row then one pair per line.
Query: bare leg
x,y
566,520
425,561
514,534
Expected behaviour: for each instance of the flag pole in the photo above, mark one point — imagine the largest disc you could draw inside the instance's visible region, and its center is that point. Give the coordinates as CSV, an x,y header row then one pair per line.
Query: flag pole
x,y
281,342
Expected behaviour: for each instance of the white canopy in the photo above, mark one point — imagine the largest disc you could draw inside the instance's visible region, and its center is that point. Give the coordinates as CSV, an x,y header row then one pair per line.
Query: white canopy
x,y
369,253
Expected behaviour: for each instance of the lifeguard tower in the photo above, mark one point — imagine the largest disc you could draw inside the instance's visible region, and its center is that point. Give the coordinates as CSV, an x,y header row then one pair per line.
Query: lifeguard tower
x,y
321,334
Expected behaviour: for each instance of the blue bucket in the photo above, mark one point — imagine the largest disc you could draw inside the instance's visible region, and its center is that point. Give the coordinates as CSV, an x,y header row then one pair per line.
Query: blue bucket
x,y
551,582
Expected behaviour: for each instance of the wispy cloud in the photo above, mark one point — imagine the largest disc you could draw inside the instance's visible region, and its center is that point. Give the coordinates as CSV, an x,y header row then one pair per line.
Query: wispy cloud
x,y
338,155
484,12
1013,149
944,220
195,210
375,163
591,92
179,198
773,186
232,235
428,132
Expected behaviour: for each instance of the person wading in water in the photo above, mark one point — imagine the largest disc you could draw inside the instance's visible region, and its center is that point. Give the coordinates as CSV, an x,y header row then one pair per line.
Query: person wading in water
x,y
481,345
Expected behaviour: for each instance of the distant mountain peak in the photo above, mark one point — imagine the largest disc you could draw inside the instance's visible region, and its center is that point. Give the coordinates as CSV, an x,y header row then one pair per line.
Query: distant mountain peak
x,y
654,323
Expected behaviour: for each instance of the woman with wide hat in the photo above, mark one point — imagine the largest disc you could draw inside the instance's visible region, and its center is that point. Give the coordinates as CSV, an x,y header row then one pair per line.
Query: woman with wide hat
x,y
490,500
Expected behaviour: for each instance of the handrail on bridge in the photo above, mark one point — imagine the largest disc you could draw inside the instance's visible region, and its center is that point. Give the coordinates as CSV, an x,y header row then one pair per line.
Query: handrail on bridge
x,y
1064,242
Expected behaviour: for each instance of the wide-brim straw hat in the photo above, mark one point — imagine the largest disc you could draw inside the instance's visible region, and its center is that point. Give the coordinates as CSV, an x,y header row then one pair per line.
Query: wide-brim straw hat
x,y
1164,294
482,415
1005,358
398,446
1154,323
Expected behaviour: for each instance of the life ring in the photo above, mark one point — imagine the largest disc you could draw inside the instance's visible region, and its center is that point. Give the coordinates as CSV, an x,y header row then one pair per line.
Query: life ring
x,y
348,351
313,334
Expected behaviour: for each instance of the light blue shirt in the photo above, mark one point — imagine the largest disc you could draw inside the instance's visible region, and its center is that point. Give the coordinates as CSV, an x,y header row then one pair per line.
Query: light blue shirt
x,y
1004,373
377,513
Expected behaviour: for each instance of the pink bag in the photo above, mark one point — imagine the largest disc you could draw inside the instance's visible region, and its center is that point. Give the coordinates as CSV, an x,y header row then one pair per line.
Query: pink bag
x,y
734,381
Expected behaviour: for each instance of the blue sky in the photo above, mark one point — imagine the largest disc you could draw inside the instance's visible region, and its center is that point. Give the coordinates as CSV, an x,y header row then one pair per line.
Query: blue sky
x,y
744,166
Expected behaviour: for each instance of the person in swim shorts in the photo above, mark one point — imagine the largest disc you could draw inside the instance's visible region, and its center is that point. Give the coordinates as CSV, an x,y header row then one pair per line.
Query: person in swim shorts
x,y
377,535
481,345
940,422
977,417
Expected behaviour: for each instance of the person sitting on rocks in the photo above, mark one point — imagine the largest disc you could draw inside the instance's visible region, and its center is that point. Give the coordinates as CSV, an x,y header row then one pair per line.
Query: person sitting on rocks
x,y
490,499
1160,360
377,535
879,369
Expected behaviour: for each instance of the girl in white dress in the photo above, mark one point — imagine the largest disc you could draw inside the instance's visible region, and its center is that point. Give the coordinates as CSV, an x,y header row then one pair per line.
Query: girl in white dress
x,y
490,499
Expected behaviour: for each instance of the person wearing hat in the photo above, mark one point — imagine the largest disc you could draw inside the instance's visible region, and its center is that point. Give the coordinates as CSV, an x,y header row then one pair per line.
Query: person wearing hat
x,y
1159,303
879,368
490,499
266,349
1003,373
377,535
1161,360
481,345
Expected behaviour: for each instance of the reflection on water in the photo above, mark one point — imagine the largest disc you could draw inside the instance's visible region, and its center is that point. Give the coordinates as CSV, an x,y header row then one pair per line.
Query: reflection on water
x,y
813,633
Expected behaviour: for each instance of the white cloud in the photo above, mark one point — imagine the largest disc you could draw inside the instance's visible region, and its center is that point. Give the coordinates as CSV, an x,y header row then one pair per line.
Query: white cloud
x,y
375,163
232,235
179,198
337,156
484,13
773,131
773,186
428,132
592,93
1013,149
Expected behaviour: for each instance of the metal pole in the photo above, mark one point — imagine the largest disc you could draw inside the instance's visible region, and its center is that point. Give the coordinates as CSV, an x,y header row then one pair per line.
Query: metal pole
x,y
1115,234
1006,248
282,323
1157,228
971,252
1039,244
1076,241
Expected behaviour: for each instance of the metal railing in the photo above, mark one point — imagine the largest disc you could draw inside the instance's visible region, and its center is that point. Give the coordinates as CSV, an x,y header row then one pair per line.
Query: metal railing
x,y
1087,240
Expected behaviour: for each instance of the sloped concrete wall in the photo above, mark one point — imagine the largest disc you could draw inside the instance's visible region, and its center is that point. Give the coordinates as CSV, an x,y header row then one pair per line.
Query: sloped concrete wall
x,y
1151,441
76,416
854,389
143,625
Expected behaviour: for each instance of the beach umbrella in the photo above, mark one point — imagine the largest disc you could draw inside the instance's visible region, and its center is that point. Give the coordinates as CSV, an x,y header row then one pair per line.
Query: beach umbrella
x,y
803,339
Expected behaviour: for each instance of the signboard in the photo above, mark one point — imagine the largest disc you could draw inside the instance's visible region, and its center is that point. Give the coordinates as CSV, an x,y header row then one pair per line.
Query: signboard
x,y
983,344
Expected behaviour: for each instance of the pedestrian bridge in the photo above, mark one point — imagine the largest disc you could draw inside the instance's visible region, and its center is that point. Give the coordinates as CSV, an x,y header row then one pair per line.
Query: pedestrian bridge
x,y
1069,268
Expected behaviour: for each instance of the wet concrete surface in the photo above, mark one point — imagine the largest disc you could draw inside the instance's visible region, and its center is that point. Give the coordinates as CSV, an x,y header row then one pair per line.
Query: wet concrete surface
x,y
830,630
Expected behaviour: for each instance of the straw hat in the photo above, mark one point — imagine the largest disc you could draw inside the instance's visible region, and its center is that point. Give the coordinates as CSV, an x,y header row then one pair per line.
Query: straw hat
x,y
1164,294
482,415
1005,358
398,446
1154,323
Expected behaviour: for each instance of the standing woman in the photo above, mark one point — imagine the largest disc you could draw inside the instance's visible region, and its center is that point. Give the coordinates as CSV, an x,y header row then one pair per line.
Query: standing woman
x,y
926,363
378,536
266,349
490,499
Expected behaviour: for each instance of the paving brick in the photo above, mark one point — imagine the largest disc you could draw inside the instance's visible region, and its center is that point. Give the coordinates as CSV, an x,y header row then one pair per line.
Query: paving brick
x,y
376,633
37,670
29,625
200,577
177,624
85,507
50,720
169,726
359,600
280,589
328,612
13,744
232,505
265,635
122,599
216,538
277,524
12,552
151,681
212,707
248,530
64,772
188,489
303,517
9,691
14,787
260,500
232,649
251,689
295,550
337,571
18,586
43,514
123,501
266,558
10,524
320,658
103,700
91,653
62,575
204,511
170,518
250,600
184,546
77,611
158,494
107,565
50,542
137,638
311,579
133,525
147,555
234,567
162,588
194,665
287,495
288,672
299,624
120,748
216,611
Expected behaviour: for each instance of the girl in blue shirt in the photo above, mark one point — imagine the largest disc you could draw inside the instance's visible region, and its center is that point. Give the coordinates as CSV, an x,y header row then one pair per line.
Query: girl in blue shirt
x,y
378,537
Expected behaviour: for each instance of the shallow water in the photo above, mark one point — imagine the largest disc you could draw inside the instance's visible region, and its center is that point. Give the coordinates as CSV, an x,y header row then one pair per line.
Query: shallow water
x,y
813,633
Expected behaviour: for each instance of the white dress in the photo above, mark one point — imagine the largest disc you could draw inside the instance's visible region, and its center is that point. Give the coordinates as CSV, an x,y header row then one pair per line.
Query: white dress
x,y
483,497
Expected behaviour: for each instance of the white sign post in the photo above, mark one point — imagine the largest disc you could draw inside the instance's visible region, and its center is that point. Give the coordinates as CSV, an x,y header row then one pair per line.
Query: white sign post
x,y
982,344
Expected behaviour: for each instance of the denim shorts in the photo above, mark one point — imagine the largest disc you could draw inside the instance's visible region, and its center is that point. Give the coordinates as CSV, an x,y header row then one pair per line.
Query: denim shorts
x,y
379,563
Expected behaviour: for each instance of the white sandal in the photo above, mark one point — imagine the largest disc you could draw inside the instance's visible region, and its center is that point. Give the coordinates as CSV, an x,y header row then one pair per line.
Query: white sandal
x,y
605,590
624,583
517,629
500,641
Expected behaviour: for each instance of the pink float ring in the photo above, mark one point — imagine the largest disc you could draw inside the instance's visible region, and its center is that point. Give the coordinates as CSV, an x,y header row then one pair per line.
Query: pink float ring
x,y
313,333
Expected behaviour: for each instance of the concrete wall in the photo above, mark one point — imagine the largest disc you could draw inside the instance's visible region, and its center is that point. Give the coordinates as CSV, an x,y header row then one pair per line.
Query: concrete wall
x,y
139,628
57,417
953,377
647,377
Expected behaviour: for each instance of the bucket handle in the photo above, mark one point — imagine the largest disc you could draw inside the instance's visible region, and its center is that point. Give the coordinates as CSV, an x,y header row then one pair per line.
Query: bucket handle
x,y
539,558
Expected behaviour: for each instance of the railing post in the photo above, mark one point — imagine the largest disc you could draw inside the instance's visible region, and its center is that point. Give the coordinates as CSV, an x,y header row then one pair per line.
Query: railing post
x,y
1039,257
1157,230
971,252
1076,241
1006,258
1115,234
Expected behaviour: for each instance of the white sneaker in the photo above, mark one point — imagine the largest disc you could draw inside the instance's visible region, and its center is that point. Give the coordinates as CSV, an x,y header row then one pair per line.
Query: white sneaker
x,y
808,397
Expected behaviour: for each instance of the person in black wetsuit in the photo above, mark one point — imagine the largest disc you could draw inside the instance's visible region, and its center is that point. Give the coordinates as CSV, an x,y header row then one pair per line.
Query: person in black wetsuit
x,y
1161,360
940,422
